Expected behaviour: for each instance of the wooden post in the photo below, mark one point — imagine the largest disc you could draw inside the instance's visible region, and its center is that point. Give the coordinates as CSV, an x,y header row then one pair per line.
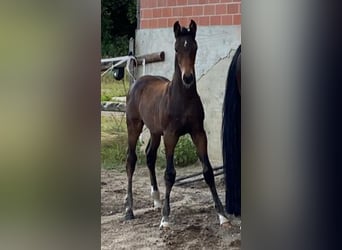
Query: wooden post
x,y
131,67
149,58
153,57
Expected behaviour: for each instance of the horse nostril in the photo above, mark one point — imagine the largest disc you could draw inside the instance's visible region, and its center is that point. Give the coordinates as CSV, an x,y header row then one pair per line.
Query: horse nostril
x,y
188,79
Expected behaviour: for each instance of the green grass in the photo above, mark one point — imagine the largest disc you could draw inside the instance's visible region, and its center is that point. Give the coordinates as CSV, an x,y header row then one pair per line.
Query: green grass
x,y
114,144
113,155
113,88
185,152
113,141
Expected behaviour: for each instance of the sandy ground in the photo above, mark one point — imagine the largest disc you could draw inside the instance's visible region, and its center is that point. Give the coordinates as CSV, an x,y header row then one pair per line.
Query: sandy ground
x,y
194,222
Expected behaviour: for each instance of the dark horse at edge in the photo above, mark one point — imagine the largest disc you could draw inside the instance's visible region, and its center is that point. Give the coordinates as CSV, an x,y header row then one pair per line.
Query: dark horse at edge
x,y
169,109
231,136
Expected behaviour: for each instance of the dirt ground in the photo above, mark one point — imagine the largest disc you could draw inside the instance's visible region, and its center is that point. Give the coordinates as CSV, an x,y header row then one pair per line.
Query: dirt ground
x,y
194,222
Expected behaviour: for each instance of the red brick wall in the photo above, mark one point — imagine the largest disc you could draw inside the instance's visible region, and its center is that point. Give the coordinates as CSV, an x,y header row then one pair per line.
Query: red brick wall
x,y
164,13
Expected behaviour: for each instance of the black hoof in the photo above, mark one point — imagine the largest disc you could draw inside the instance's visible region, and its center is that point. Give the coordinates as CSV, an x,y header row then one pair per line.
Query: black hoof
x,y
129,215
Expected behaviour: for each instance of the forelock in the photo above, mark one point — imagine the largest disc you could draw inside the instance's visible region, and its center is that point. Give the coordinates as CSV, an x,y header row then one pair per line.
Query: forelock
x,y
184,32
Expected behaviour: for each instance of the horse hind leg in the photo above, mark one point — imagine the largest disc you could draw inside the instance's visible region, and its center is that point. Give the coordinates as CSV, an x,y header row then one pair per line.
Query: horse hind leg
x,y
134,129
151,156
200,141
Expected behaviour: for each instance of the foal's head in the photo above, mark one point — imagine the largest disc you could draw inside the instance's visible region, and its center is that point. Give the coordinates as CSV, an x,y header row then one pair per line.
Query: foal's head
x,y
186,48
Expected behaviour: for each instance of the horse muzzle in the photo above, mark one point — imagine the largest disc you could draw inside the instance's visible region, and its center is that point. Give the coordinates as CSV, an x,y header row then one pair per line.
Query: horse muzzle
x,y
188,80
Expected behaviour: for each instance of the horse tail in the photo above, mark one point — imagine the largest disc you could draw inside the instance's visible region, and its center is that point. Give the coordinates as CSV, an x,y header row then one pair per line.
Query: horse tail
x,y
231,139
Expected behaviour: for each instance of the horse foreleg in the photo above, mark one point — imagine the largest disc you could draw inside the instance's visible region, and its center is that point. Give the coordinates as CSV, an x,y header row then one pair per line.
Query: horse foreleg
x,y
151,156
200,141
170,141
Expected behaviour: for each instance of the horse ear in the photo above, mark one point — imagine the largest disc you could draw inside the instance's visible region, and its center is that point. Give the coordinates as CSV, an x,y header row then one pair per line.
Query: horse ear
x,y
176,29
193,28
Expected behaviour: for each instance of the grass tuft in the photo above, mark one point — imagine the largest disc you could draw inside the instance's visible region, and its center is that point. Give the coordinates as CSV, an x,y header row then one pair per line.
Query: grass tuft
x,y
111,88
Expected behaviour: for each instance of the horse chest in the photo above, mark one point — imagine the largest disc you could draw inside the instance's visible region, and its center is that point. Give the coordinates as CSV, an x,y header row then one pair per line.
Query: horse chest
x,y
183,122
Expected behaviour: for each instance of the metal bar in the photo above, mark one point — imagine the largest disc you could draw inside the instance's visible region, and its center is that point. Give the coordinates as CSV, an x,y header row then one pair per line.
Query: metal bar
x,y
114,59
198,179
193,175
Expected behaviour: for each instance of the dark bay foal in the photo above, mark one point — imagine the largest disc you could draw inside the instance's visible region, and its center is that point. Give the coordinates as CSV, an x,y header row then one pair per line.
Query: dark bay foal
x,y
169,109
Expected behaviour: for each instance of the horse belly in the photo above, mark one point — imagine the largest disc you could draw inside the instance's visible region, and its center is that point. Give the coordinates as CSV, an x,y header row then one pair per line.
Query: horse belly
x,y
154,127
151,118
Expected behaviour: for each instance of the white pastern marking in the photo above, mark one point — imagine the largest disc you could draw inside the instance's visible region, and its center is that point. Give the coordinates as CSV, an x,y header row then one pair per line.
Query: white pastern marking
x,y
185,43
164,224
156,198
157,204
222,219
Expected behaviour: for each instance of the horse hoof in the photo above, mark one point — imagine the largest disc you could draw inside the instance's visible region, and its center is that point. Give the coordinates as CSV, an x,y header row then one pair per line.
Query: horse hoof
x,y
129,215
164,224
225,225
